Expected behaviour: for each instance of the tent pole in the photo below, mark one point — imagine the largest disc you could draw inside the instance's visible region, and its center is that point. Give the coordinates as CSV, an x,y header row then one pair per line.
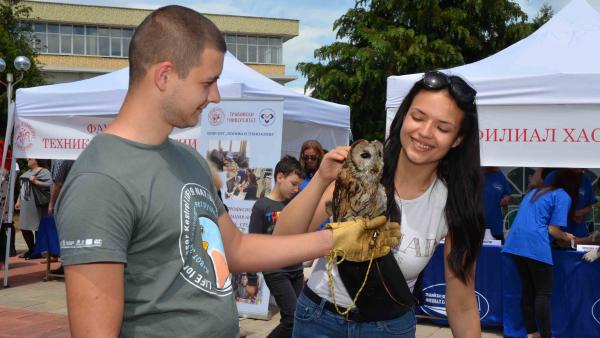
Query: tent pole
x,y
10,192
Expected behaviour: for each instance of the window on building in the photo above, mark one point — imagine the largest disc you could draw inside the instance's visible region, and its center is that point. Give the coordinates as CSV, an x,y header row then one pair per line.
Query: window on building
x,y
255,49
81,39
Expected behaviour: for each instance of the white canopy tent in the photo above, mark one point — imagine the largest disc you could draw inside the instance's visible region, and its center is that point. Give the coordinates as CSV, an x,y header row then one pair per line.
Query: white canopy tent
x,y
55,107
304,117
539,99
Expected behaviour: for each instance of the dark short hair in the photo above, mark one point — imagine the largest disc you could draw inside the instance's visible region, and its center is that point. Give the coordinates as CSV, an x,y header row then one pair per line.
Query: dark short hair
x,y
172,33
289,165
569,181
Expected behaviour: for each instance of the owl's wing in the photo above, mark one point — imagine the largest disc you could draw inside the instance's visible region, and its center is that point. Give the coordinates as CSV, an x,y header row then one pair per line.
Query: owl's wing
x,y
346,186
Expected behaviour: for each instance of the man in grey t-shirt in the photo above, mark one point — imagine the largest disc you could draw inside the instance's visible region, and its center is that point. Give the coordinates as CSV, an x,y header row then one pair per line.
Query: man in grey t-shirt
x,y
147,245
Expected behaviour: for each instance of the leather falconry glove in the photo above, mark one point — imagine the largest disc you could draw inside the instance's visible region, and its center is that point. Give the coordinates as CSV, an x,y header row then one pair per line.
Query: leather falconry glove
x,y
360,239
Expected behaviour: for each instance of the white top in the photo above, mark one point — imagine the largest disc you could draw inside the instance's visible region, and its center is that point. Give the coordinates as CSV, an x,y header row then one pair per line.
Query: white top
x,y
423,226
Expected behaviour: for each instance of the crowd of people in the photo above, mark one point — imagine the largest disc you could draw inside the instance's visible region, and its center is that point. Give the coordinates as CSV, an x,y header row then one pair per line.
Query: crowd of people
x,y
160,246
39,188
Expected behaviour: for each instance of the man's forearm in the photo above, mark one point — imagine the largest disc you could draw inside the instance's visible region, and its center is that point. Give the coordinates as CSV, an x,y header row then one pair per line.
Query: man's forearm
x,y
264,252
296,216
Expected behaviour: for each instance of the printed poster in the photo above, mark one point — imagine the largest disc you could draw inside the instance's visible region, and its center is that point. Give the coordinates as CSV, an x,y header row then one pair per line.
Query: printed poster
x,y
243,139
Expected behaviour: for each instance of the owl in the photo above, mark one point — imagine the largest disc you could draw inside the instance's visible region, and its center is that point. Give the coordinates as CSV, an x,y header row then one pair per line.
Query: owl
x,y
358,191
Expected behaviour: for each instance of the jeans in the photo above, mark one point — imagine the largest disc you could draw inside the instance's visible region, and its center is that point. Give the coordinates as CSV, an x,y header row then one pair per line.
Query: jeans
x,y
536,284
285,287
313,320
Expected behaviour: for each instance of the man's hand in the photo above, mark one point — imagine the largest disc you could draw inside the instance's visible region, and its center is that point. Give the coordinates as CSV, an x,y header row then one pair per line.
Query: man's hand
x,y
361,238
591,255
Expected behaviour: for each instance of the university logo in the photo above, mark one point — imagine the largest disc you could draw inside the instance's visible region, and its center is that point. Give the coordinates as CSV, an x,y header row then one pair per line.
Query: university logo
x,y
200,244
435,302
216,116
24,136
266,117
596,311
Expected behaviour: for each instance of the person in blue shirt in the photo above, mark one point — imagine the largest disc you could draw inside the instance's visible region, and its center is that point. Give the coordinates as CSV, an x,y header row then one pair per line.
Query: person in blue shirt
x,y
311,154
496,193
583,204
543,211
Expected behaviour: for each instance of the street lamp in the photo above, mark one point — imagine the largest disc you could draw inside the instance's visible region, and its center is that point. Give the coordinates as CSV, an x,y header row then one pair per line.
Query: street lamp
x,y
22,64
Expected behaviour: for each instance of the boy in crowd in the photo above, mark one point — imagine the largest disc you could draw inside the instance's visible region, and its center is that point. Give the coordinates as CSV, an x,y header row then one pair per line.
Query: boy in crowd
x,y
285,284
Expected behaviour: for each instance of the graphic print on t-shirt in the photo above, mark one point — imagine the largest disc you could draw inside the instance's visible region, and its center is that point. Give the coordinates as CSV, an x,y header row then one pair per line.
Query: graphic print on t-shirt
x,y
271,218
200,244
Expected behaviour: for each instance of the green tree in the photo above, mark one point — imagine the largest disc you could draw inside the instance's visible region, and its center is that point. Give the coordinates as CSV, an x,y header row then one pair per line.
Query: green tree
x,y
16,39
379,38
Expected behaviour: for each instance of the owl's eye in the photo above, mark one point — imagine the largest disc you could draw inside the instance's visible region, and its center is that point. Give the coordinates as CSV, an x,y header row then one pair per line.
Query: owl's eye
x,y
365,155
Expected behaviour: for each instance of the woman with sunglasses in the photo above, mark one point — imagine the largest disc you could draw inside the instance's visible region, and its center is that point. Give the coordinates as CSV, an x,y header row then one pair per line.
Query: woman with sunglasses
x,y
433,183
311,154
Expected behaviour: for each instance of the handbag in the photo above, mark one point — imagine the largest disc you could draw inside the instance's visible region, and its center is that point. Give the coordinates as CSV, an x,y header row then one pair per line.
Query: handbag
x,y
40,196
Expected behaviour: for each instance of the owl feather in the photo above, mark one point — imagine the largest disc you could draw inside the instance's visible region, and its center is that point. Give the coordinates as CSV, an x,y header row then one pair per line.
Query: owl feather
x,y
358,191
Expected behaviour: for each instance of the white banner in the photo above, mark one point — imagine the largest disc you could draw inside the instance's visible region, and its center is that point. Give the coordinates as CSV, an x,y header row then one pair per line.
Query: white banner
x,y
243,138
537,135
65,137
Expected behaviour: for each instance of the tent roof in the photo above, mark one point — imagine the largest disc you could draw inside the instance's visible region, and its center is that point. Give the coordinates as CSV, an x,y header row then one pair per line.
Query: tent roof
x,y
103,95
557,64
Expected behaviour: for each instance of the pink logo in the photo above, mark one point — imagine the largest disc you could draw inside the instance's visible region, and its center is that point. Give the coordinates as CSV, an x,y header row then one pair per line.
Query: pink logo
x,y
216,116
24,136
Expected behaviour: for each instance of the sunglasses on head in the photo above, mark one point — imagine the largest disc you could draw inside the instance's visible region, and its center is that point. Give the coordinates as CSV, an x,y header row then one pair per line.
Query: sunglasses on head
x,y
310,157
459,89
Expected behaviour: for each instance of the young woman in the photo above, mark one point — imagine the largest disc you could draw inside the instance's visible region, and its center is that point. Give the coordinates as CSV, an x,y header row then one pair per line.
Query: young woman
x,y
433,183
542,211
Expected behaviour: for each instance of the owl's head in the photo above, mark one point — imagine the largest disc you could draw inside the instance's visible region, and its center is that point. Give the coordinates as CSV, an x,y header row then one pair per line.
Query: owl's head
x,y
366,158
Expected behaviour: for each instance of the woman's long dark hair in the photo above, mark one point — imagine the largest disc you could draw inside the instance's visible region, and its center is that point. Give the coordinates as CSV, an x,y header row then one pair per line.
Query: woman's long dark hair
x,y
567,179
460,170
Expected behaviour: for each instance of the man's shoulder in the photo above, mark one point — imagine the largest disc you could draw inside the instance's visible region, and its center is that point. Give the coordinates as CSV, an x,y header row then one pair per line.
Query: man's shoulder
x,y
191,152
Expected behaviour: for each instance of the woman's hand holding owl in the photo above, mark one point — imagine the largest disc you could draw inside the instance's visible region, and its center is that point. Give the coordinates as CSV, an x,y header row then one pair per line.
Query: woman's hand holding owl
x,y
332,163
360,239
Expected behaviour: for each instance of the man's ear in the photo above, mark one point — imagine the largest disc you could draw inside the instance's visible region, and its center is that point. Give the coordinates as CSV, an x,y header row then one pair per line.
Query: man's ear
x,y
162,73
458,141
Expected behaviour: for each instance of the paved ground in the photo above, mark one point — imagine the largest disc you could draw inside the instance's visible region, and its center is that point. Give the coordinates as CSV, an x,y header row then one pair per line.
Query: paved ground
x,y
33,308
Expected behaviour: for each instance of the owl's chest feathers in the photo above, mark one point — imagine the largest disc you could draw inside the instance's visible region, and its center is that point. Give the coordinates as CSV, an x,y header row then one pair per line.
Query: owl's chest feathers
x,y
359,199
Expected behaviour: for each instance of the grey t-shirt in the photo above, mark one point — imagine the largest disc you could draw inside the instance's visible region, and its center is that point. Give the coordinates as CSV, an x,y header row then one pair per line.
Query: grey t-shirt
x,y
153,208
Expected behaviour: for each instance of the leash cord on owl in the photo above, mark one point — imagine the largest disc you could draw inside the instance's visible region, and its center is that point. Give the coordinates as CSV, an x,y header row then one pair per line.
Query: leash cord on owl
x,y
358,193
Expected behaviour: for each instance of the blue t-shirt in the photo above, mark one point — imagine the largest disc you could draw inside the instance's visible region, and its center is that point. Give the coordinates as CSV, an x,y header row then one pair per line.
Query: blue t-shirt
x,y
495,188
303,185
586,198
528,236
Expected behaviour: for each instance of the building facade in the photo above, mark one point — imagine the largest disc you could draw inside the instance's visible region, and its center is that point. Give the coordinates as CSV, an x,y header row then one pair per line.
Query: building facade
x,y
77,42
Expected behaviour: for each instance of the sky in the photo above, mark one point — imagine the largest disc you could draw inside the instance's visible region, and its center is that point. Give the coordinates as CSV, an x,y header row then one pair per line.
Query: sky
x,y
316,19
